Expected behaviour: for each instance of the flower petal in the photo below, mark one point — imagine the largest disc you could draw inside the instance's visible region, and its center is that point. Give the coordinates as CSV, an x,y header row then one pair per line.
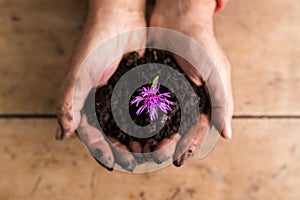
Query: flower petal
x,y
137,100
162,99
164,107
141,109
153,114
167,94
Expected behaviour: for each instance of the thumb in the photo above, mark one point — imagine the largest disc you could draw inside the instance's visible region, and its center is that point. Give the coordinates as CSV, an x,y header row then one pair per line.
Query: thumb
x,y
74,92
219,88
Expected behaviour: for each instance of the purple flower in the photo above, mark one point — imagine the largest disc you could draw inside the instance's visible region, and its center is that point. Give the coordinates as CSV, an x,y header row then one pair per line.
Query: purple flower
x,y
151,100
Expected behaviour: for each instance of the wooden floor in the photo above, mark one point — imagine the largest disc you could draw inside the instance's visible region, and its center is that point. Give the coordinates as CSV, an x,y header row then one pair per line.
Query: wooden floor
x,y
262,161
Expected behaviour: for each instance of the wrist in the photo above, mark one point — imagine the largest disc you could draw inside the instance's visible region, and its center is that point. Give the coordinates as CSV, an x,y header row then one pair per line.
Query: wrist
x,y
192,11
115,7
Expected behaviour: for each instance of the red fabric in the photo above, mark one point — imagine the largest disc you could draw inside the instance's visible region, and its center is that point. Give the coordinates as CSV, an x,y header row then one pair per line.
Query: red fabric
x,y
220,5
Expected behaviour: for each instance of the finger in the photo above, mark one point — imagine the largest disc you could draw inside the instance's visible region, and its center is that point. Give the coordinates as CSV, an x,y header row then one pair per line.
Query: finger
x,y
101,76
96,144
64,112
149,148
74,95
83,71
165,148
183,145
219,84
227,130
140,53
74,92
66,124
191,141
122,155
137,150
220,92
68,117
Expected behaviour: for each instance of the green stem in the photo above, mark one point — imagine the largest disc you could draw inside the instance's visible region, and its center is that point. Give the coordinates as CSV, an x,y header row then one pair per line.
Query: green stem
x,y
154,82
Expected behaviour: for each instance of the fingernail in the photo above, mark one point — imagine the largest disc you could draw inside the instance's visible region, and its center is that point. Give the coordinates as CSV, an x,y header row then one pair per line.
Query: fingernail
x,y
140,159
58,134
190,154
176,163
66,135
109,168
179,161
129,166
228,130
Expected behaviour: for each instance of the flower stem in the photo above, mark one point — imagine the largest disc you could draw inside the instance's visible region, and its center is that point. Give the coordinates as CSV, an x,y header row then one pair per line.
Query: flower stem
x,y
154,82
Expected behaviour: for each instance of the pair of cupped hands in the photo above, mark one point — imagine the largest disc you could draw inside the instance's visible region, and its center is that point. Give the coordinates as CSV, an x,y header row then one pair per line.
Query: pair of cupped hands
x,y
109,18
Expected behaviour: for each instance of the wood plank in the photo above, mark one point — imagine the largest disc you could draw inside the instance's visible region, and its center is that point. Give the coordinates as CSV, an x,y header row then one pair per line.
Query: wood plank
x,y
262,161
261,39
35,37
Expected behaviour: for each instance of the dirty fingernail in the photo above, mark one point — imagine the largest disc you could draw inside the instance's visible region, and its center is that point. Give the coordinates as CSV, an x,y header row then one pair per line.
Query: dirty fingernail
x,y
105,165
190,154
58,134
177,163
129,166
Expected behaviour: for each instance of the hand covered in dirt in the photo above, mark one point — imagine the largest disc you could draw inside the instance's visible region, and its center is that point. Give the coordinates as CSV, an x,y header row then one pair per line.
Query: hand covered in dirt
x,y
195,19
105,19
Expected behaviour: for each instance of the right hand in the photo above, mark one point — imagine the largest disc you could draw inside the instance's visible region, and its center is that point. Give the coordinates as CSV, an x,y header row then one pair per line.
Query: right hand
x,y
195,20
105,19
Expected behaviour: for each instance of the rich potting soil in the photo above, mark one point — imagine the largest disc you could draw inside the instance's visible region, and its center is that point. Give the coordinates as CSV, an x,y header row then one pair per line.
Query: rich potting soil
x,y
171,121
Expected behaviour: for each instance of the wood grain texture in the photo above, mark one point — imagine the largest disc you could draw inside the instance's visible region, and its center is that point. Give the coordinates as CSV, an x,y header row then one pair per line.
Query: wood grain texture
x,y
35,39
261,39
262,161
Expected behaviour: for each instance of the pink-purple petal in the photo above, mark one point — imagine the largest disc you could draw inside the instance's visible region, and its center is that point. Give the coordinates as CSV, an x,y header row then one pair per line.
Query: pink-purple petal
x,y
167,94
153,114
137,100
141,109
